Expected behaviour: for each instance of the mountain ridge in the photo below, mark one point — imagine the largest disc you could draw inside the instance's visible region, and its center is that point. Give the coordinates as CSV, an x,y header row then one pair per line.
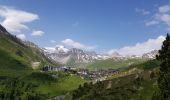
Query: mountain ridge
x,y
21,51
64,55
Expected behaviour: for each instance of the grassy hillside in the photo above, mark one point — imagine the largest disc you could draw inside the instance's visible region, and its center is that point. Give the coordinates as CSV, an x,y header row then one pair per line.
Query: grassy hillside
x,y
150,64
37,85
63,85
136,86
19,80
11,63
11,66
114,64
124,88
18,50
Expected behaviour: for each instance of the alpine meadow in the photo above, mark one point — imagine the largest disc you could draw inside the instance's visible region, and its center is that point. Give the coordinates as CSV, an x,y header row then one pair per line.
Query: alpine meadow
x,y
85,50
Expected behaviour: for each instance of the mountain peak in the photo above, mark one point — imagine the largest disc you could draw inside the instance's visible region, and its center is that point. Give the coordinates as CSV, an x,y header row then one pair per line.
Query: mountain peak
x,y
152,54
2,29
116,54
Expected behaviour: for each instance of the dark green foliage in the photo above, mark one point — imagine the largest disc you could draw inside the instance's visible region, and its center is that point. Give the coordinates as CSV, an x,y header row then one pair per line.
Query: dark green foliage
x,y
115,64
131,87
18,81
164,78
19,53
152,75
150,64
15,89
40,77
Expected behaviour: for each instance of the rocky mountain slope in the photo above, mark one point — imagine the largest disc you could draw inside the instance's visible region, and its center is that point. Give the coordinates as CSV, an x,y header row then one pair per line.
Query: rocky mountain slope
x,y
73,55
150,55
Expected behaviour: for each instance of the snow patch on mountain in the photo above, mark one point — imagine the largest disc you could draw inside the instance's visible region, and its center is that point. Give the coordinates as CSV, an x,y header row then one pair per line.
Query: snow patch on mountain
x,y
65,56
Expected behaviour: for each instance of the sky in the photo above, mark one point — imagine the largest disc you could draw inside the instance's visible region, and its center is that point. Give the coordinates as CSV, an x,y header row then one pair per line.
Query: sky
x,y
129,27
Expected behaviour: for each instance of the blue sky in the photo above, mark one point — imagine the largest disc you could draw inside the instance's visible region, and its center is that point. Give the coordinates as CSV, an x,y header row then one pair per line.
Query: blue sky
x,y
100,25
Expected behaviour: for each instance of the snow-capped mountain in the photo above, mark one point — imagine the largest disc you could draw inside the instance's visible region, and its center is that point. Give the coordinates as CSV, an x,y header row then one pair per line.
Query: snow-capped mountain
x,y
66,56
150,55
63,55
116,54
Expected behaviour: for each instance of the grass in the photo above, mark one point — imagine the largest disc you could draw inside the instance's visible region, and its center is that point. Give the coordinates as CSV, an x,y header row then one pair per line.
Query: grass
x,y
40,83
150,64
114,64
61,87
11,66
19,80
139,85
22,53
130,87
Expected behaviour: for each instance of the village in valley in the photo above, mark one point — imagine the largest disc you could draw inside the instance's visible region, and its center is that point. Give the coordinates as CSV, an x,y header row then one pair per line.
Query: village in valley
x,y
97,75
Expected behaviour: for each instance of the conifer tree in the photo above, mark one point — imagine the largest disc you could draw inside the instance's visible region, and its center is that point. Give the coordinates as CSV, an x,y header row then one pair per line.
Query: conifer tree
x,y
164,77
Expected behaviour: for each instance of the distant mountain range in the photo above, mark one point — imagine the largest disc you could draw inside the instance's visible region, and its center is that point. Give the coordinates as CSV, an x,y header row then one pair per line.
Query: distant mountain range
x,y
69,56
151,55
73,55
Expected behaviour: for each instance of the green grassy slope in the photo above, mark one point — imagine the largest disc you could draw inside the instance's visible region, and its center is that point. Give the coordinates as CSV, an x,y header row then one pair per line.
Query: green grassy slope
x,y
62,86
16,48
137,86
19,81
150,64
114,64
15,56
11,66
38,85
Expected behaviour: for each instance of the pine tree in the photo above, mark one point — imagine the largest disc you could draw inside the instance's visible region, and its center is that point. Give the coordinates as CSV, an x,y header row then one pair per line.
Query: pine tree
x,y
164,77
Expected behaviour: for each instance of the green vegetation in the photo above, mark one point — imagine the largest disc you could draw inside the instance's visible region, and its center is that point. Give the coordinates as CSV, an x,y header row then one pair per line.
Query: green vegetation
x,y
38,85
163,93
114,64
19,52
150,83
19,80
138,86
62,86
150,64
11,67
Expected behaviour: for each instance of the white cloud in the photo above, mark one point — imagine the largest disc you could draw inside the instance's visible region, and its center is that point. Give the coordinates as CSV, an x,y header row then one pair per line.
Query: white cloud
x,y
15,20
21,36
140,48
74,44
161,16
56,49
37,33
52,41
153,22
142,11
165,18
164,9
